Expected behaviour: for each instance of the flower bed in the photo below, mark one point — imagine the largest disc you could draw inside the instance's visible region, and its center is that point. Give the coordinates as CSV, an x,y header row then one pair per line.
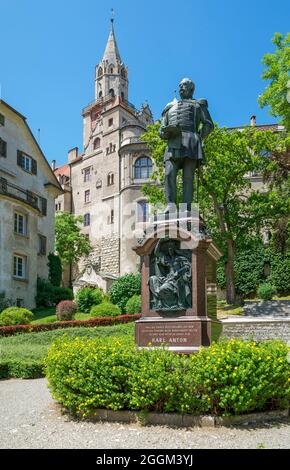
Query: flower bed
x,y
101,321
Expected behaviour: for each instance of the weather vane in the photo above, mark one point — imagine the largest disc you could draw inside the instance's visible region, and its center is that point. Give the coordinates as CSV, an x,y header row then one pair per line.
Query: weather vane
x,y
112,15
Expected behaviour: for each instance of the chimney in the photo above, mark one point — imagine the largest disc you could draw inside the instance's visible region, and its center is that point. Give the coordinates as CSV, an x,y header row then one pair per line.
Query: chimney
x,y
53,165
72,154
253,121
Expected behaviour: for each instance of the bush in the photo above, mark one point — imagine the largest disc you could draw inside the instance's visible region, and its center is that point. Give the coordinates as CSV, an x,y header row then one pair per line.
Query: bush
x,y
124,288
266,291
61,293
15,316
227,378
55,269
49,295
66,310
92,322
134,304
280,271
87,297
105,309
4,303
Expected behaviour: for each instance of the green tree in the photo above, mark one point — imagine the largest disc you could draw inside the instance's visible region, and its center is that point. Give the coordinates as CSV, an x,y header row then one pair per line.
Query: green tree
x,y
70,243
277,92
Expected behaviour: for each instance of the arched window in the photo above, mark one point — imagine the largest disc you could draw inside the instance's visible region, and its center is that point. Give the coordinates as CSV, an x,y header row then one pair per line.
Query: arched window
x,y
142,211
143,168
110,179
100,94
97,143
111,68
100,72
111,92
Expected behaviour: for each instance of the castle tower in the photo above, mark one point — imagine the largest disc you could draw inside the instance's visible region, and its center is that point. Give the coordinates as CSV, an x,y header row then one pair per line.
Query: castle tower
x,y
107,176
111,73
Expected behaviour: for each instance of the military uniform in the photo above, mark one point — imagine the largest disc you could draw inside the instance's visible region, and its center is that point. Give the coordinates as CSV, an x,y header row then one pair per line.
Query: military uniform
x,y
185,123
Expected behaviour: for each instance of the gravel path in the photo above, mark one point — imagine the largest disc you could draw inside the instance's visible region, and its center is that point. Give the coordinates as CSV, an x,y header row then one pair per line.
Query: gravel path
x,y
30,419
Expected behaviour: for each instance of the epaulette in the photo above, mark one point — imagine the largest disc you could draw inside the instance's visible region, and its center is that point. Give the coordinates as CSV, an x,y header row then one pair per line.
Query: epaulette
x,y
202,102
168,106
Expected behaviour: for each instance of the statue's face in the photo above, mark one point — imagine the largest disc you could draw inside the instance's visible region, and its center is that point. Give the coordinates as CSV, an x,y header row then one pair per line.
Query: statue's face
x,y
186,88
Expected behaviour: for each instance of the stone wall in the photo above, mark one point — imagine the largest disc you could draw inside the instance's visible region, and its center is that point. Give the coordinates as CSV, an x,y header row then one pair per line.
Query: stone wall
x,y
257,329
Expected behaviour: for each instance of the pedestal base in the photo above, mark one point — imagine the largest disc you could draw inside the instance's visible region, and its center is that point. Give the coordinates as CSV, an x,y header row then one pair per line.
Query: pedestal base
x,y
183,335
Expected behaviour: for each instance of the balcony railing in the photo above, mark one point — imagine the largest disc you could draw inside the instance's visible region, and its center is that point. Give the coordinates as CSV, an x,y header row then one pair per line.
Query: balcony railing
x,y
106,99
20,194
132,140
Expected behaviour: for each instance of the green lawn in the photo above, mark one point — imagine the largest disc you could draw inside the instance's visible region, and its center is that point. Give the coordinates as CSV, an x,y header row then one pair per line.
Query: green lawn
x,y
22,355
47,315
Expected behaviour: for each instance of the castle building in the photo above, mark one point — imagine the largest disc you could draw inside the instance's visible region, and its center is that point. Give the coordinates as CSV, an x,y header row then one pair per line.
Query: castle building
x,y
103,183
28,188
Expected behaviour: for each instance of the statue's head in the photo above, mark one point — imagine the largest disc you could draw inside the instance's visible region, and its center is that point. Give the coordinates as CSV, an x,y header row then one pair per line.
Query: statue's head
x,y
186,88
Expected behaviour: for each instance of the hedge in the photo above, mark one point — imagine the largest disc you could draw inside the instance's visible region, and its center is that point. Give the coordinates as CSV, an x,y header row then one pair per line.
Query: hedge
x,y
232,377
97,321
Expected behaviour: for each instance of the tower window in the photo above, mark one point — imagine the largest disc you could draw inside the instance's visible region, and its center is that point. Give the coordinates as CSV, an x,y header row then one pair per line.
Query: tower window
x,y
111,121
111,92
20,223
87,174
111,148
142,211
111,69
100,94
19,266
143,168
87,219
87,196
100,72
110,179
122,96
97,143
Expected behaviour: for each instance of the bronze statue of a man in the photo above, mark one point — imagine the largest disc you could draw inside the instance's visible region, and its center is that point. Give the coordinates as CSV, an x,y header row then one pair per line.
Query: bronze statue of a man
x,y
185,123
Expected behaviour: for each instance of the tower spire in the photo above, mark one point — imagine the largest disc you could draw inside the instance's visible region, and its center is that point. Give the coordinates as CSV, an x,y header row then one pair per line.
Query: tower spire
x,y
112,54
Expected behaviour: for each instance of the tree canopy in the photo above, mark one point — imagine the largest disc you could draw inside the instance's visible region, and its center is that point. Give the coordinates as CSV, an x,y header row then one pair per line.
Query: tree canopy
x,y
277,92
70,243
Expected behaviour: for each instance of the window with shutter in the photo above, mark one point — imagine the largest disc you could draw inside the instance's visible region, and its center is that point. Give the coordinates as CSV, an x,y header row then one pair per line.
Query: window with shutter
x,y
43,207
3,148
33,166
41,245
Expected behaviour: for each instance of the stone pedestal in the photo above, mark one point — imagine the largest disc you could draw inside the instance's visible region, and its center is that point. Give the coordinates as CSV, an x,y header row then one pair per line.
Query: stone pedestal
x,y
186,329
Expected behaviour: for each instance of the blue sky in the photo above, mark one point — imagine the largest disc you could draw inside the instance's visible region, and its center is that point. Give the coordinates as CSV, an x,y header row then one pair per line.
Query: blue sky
x,y
49,49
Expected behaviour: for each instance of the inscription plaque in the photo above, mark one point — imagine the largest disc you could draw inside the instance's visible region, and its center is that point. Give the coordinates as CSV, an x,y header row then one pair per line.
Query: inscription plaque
x,y
175,334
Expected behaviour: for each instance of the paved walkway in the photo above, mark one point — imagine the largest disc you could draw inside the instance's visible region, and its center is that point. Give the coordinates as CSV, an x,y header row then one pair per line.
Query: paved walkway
x,y
29,418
